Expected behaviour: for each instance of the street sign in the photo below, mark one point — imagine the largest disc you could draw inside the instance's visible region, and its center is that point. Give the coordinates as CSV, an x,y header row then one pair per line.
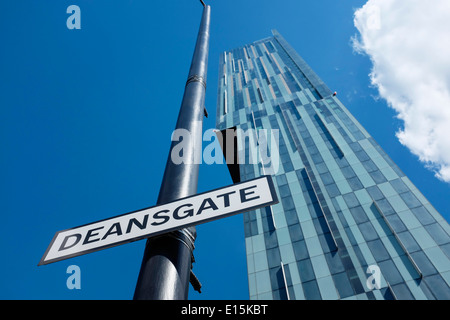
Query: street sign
x,y
182,213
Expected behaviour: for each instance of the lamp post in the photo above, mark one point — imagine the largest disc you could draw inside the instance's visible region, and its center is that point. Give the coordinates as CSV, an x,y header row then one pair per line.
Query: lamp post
x,y
167,261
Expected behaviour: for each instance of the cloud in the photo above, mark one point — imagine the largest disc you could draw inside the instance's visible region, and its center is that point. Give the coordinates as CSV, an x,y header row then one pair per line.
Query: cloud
x,y
409,45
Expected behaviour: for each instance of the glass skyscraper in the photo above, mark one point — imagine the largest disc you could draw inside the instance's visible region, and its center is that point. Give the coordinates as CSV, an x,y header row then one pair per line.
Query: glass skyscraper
x,y
349,224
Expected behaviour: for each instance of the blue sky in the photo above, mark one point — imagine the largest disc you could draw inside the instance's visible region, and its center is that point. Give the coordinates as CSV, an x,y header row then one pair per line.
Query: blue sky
x,y
86,118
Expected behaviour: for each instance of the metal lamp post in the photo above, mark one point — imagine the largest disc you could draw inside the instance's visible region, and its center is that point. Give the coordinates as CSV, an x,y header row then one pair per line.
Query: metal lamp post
x,y
166,265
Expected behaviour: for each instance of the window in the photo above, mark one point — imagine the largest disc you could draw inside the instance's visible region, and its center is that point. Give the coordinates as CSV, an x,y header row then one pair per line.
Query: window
x,y
369,165
410,199
368,231
408,241
288,166
377,176
342,162
316,158
315,210
390,272
351,200
355,183
291,217
327,242
378,250
375,193
402,292
396,223
355,146
300,250
399,185
322,168
267,219
343,285
320,225
362,155
311,290
326,178
305,270
273,258
332,190
281,180
438,234
270,240
295,232
359,214
385,207
276,278
424,264
284,191
348,172
288,203
334,263
225,102
438,286
423,215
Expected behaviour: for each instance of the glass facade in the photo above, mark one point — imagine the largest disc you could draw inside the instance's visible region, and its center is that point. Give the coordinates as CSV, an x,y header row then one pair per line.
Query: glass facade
x,y
349,224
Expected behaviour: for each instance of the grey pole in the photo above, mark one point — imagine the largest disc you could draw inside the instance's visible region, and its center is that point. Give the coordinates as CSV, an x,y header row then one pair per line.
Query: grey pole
x,y
166,265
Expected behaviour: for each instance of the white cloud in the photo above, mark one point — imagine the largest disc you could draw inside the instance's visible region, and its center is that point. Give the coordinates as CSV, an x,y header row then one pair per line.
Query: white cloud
x,y
408,42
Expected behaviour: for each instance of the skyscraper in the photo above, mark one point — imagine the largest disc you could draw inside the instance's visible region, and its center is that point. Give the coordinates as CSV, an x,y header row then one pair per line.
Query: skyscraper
x,y
350,224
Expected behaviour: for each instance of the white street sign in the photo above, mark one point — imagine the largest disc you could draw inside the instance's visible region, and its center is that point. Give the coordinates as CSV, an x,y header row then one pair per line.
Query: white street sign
x,y
137,225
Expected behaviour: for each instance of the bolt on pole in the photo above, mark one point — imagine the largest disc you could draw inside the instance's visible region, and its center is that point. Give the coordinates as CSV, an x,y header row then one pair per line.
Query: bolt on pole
x,y
166,265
